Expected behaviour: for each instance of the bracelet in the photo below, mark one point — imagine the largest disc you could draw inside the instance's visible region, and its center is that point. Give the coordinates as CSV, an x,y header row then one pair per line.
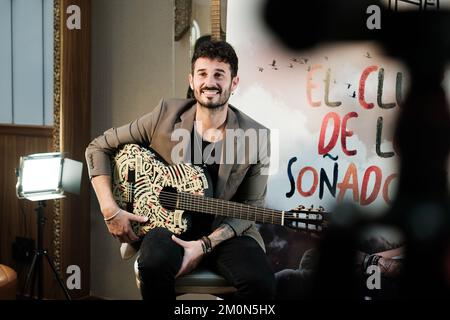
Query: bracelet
x,y
375,260
113,216
206,245
371,260
203,246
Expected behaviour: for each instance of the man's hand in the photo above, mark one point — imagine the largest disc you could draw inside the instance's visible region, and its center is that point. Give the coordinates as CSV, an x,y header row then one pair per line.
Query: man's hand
x,y
120,226
193,253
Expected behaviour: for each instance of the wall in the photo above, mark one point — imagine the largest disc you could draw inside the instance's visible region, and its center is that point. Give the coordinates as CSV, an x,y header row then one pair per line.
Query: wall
x,y
132,68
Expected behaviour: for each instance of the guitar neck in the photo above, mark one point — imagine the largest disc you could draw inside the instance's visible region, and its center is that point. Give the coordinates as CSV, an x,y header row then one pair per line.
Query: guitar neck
x,y
215,20
189,202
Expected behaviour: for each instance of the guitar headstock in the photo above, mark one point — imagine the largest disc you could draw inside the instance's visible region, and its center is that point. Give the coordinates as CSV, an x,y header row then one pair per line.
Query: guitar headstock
x,y
306,219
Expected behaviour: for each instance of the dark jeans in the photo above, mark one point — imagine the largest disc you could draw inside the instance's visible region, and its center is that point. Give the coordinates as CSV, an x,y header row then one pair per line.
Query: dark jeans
x,y
240,260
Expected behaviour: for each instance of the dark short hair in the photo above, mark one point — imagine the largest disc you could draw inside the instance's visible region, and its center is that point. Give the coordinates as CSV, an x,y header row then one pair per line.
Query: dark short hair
x,y
216,50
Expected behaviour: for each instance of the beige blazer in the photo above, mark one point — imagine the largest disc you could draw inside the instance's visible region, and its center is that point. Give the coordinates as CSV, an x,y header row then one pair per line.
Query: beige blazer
x,y
240,182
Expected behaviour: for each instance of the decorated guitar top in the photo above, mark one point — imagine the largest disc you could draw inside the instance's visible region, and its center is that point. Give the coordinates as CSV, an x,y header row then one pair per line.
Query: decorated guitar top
x,y
145,185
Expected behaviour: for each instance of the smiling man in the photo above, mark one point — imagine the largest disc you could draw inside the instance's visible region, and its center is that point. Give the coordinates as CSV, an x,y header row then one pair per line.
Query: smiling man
x,y
233,247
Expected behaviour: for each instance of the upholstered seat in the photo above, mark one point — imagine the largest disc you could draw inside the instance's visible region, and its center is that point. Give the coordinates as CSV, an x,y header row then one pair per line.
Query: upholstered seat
x,y
200,281
8,283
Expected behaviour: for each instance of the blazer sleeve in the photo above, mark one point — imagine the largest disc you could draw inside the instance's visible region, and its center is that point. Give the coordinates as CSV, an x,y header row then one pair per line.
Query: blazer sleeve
x,y
252,190
140,131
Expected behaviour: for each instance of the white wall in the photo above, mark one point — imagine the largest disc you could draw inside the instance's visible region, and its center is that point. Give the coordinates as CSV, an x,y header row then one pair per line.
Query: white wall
x,y
132,68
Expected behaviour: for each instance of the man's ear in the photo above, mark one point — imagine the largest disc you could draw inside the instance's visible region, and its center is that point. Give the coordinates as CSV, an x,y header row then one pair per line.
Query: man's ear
x,y
234,83
191,81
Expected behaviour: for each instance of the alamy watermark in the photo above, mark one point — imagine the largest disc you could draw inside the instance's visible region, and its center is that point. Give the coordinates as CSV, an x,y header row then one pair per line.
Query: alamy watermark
x,y
74,279
374,20
374,279
74,20
236,146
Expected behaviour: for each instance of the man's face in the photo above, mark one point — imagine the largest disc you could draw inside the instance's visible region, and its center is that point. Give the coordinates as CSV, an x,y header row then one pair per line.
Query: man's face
x,y
212,83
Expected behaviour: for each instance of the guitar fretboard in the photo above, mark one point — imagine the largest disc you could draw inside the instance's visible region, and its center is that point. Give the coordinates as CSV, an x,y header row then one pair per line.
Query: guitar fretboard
x,y
215,20
189,202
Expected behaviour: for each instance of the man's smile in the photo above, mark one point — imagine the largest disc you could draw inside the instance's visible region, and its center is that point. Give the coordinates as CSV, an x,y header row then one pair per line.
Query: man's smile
x,y
210,93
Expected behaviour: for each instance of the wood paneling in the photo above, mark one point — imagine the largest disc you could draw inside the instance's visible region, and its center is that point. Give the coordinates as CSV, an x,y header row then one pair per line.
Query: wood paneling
x,y
75,136
27,131
17,217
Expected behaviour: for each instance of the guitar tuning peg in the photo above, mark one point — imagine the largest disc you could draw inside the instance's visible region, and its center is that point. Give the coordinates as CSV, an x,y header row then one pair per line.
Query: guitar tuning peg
x,y
311,208
321,209
301,207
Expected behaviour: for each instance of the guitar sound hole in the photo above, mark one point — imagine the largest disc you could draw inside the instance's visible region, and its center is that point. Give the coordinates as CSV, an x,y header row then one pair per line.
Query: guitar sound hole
x,y
168,198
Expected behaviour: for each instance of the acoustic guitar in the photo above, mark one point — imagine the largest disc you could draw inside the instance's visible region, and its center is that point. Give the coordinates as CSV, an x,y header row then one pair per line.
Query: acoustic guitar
x,y
143,184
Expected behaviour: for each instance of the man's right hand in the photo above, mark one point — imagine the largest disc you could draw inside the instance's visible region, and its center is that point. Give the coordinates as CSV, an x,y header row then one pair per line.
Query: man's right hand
x,y
120,226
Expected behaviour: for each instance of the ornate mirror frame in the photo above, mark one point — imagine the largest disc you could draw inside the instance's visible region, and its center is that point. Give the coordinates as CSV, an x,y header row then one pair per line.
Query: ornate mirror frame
x,y
56,125
71,135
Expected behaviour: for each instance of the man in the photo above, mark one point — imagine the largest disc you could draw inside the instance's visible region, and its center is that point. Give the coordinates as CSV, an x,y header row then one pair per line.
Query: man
x,y
237,247
298,284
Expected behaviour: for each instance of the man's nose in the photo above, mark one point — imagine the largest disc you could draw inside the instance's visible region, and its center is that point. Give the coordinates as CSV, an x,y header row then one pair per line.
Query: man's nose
x,y
210,81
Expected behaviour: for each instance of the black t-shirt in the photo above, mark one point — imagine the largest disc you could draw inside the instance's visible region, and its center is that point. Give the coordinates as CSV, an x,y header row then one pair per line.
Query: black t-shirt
x,y
206,154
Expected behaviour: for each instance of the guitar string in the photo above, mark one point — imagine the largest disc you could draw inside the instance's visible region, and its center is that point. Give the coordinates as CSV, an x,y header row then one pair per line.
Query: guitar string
x,y
212,204
236,210
208,206
195,201
229,204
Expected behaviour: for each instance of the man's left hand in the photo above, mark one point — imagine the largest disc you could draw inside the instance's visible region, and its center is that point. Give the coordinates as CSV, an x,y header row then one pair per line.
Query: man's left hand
x,y
193,253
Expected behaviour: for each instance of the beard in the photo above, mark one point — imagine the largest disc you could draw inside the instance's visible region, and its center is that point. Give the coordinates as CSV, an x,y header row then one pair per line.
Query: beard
x,y
213,103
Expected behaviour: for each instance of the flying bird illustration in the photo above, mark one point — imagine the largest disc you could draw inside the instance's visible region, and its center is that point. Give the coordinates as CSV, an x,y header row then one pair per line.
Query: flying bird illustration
x,y
304,60
274,64
368,55
260,69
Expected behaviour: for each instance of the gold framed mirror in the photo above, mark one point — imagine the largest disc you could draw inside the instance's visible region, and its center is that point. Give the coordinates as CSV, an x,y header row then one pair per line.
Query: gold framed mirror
x,y
71,134
56,219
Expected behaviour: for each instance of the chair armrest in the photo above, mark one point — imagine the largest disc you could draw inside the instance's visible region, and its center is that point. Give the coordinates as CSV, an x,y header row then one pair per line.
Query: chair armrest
x,y
8,283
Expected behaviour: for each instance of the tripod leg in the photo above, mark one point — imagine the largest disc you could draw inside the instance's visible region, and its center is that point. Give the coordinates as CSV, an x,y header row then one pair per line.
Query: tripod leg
x,y
40,274
58,278
31,273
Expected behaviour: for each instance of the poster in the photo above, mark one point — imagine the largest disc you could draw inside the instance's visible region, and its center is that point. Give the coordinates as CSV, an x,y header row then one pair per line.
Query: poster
x,y
331,111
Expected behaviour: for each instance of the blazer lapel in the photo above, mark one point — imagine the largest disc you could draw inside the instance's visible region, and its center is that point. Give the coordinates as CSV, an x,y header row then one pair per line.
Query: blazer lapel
x,y
186,123
225,168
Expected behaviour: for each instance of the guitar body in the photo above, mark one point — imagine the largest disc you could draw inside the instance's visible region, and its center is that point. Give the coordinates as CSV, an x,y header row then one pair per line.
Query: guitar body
x,y
139,176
